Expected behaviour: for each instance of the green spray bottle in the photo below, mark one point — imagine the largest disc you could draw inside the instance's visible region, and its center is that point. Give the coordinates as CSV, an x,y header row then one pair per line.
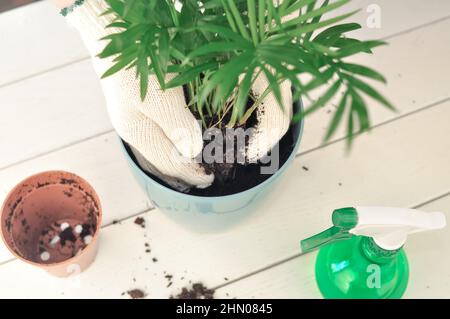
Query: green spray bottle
x,y
361,256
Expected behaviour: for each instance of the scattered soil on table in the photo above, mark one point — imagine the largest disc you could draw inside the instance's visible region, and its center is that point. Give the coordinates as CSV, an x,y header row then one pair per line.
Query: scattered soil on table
x,y
140,221
197,291
136,294
169,277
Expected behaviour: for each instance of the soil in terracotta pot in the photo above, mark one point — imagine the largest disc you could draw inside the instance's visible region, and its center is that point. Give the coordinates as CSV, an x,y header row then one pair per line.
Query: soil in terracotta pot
x,y
63,240
51,222
232,178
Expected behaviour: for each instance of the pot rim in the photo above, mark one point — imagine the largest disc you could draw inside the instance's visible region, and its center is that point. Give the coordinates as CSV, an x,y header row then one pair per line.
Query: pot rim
x,y
301,123
90,246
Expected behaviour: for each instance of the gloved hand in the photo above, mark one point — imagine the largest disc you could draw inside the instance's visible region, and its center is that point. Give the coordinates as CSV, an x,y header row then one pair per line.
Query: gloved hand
x,y
161,128
158,129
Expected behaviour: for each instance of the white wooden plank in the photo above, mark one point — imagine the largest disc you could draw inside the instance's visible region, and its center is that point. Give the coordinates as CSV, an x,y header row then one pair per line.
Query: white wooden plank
x,y
398,165
127,184
82,116
34,38
77,86
395,16
54,43
124,266
291,280
46,112
414,79
429,262
73,93
101,162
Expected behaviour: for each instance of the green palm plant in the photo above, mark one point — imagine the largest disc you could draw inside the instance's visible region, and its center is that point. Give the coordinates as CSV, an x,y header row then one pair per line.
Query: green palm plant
x,y
217,48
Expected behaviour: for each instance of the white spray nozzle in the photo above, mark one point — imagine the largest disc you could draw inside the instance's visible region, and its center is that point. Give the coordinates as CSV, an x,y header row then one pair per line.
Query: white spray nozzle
x,y
390,227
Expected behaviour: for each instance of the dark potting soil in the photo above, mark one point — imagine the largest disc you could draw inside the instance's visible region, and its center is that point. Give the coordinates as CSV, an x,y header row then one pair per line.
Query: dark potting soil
x,y
58,243
136,294
197,291
140,221
232,178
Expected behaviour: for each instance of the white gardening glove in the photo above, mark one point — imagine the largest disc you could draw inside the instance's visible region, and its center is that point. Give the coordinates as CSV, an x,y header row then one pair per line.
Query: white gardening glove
x,y
161,127
273,121
163,122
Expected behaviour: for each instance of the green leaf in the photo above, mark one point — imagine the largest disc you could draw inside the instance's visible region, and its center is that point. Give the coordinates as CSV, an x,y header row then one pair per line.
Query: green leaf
x,y
370,91
229,17
229,72
274,87
189,75
142,65
354,48
320,101
297,6
121,64
164,49
217,47
157,68
318,81
244,91
310,27
313,14
363,70
118,24
262,19
336,30
209,44
272,15
345,42
336,118
117,6
350,125
251,7
224,32
120,42
238,18
360,109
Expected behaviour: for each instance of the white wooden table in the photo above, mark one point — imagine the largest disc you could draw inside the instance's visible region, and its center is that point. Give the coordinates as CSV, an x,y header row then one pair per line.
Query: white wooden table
x,y
53,116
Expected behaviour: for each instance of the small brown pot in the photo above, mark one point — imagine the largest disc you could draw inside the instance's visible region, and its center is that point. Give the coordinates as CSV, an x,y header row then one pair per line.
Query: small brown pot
x,y
52,220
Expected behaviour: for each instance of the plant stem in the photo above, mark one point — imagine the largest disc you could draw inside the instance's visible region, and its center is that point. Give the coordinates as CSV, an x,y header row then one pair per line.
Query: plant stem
x,y
229,17
262,19
251,7
239,21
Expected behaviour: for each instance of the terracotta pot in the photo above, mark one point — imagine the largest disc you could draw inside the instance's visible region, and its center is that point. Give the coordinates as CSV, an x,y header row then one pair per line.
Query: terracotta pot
x,y
52,220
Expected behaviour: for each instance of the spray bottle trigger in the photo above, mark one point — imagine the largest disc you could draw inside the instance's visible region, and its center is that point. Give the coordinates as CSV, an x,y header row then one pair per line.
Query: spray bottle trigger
x,y
324,238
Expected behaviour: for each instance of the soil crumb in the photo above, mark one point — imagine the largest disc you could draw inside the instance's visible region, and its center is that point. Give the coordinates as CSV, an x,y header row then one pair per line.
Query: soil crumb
x,y
140,221
136,294
197,291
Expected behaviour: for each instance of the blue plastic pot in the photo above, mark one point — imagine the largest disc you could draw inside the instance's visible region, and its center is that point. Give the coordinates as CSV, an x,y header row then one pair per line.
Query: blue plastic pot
x,y
169,200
